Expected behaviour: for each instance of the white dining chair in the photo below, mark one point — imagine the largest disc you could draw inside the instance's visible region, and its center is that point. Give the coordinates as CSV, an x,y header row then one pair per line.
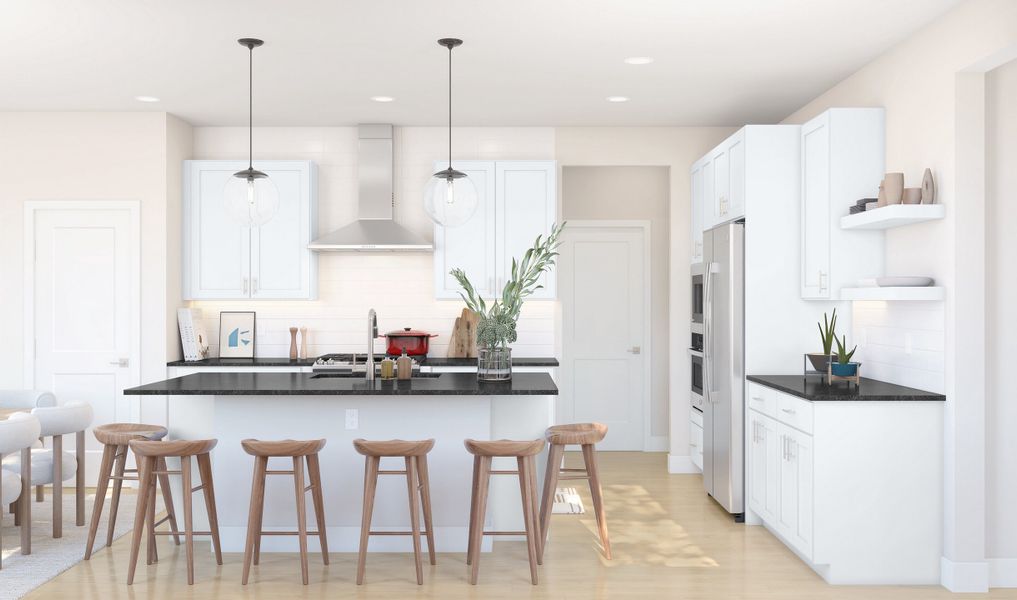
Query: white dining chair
x,y
46,468
27,400
17,434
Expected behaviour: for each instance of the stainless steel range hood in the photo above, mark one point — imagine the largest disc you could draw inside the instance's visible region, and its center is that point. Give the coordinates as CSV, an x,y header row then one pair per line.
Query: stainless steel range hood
x,y
374,230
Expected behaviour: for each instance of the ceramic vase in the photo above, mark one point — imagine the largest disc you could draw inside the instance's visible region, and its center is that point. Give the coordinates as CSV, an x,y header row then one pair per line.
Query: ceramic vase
x,y
893,187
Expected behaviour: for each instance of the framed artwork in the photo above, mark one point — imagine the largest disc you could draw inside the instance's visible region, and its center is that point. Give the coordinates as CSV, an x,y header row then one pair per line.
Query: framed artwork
x,y
236,334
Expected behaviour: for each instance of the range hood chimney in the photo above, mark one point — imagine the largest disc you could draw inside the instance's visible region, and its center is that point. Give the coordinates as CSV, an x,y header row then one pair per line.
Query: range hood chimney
x,y
374,230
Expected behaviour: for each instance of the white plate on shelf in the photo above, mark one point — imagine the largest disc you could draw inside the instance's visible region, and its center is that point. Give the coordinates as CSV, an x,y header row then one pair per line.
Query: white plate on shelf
x,y
904,281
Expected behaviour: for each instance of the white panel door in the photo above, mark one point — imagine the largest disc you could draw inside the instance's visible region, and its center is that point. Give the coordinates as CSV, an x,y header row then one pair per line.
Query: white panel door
x,y
281,265
603,293
796,499
721,200
85,311
526,206
815,274
736,175
709,219
471,246
216,248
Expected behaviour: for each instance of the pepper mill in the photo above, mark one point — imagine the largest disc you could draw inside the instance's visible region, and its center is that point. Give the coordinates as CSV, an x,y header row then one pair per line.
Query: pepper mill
x,y
293,343
303,342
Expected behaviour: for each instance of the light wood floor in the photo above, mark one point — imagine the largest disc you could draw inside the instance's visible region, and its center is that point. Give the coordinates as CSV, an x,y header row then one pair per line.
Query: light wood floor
x,y
669,540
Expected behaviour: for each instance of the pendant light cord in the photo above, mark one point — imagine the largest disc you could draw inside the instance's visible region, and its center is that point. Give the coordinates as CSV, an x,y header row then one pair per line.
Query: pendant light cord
x,y
450,107
250,107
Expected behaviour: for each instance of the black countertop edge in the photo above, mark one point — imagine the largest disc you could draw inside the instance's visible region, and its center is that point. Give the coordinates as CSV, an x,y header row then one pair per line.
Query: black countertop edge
x,y
306,384
428,361
814,389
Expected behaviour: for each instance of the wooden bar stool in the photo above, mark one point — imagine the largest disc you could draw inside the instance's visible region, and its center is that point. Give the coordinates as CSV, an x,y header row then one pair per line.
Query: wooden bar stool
x,y
415,455
299,451
483,454
578,434
151,457
115,438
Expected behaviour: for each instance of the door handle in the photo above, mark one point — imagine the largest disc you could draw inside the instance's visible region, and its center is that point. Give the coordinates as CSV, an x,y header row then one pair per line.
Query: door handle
x,y
635,350
254,285
122,362
245,286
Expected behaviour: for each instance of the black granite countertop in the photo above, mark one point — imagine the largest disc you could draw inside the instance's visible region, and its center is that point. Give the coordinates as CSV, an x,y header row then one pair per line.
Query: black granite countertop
x,y
813,388
304,384
430,361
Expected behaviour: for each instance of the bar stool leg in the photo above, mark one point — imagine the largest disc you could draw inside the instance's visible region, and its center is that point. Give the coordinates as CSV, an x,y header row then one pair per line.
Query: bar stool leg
x,y
139,516
186,486
208,489
425,500
483,481
411,488
105,466
120,453
317,498
473,508
153,552
590,458
370,485
523,466
261,516
298,486
167,499
535,509
554,456
253,517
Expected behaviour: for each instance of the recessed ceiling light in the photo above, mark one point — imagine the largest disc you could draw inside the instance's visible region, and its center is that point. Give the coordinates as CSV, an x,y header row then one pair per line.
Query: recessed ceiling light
x,y
382,98
146,98
617,99
639,60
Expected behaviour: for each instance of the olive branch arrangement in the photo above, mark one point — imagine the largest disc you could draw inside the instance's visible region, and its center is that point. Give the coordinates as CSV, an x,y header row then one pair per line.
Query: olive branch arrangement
x,y
497,326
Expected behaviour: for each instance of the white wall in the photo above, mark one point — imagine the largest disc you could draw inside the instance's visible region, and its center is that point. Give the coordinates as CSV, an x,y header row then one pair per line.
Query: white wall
x,y
88,156
398,285
676,148
1001,317
931,89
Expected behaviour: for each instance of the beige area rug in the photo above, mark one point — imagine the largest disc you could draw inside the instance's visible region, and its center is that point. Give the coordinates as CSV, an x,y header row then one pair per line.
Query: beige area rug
x,y
50,557
567,502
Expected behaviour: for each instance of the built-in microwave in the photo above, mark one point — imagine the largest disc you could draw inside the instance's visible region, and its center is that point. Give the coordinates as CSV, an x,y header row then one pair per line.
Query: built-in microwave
x,y
697,293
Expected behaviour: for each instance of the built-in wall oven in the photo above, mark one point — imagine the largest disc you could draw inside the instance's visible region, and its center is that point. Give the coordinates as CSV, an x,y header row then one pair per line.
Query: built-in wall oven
x,y
696,358
697,295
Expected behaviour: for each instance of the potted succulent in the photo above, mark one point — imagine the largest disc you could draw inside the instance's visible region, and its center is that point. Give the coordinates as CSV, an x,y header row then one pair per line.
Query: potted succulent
x,y
844,367
497,326
827,334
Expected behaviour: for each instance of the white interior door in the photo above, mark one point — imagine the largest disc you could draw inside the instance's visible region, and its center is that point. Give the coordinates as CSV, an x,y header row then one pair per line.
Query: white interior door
x,y
85,310
604,290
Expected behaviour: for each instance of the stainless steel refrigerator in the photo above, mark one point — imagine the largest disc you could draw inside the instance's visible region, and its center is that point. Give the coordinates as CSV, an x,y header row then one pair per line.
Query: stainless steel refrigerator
x,y
724,366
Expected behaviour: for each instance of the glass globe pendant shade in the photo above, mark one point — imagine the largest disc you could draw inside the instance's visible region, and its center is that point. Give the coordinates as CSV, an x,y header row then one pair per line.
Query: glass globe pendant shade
x,y
450,198
251,198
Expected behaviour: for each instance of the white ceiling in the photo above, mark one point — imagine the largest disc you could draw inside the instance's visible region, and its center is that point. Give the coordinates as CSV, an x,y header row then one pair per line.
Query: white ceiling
x,y
525,62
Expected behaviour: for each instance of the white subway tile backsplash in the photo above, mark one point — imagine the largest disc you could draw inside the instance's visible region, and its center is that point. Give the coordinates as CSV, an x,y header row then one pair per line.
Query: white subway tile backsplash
x,y
901,342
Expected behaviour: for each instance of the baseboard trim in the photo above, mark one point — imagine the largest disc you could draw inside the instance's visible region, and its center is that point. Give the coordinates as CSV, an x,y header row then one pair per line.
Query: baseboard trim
x,y
1003,572
681,464
964,577
656,443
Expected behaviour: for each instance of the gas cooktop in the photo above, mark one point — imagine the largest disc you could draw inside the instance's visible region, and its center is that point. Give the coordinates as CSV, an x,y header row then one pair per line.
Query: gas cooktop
x,y
349,362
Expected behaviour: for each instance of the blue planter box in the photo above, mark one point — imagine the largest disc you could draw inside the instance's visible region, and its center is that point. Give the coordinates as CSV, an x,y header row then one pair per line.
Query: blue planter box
x,y
844,370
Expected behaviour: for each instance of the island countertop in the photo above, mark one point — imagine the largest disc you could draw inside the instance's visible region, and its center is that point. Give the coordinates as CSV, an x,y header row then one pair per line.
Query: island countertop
x,y
813,388
426,361
312,384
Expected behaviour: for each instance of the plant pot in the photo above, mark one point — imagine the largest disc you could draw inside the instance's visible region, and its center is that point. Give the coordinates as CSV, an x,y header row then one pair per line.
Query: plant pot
x,y
844,369
820,361
494,364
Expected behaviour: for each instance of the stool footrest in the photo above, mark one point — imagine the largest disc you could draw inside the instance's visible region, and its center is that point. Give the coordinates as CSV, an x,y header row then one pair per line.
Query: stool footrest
x,y
423,532
288,533
571,470
391,472
494,472
504,533
571,477
276,472
181,533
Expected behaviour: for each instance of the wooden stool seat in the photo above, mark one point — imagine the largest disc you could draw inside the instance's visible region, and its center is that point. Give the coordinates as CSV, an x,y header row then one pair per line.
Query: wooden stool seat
x,y
287,448
121,434
504,448
575,434
393,448
151,457
484,452
578,434
418,487
115,439
301,452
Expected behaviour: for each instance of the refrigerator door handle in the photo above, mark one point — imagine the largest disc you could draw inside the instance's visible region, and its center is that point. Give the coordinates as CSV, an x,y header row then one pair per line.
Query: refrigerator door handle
x,y
707,330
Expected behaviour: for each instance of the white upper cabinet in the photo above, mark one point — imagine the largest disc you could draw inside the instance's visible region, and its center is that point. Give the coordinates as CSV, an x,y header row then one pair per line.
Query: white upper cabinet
x,y
518,202
698,201
843,161
224,260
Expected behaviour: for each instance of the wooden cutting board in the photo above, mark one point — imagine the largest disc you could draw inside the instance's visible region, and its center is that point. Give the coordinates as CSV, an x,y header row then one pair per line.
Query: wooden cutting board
x,y
464,335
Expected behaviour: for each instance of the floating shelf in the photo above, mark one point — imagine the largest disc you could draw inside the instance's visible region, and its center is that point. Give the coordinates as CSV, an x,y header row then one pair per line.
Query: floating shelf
x,y
928,293
894,215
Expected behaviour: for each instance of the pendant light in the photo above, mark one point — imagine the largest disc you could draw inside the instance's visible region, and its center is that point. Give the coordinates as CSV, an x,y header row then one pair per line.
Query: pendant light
x,y
450,198
251,198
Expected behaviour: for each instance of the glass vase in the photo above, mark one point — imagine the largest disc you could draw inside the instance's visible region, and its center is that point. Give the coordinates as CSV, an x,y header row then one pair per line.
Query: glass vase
x,y
494,364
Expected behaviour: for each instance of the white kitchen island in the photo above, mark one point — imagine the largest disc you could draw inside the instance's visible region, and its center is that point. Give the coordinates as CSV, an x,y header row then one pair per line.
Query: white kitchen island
x,y
450,408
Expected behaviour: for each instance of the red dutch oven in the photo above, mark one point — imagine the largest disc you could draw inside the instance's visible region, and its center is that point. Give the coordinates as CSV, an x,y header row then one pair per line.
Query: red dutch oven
x,y
415,343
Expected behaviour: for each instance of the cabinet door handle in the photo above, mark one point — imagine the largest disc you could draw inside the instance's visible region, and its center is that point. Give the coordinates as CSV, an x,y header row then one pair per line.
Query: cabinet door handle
x,y
254,285
789,411
757,398
245,286
822,280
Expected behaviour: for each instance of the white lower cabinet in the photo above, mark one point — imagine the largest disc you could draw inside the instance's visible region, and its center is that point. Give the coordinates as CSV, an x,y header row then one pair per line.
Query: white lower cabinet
x,y
854,488
696,439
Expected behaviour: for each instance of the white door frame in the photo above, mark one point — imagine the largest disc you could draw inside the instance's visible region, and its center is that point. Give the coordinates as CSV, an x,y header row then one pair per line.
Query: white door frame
x,y
32,207
650,442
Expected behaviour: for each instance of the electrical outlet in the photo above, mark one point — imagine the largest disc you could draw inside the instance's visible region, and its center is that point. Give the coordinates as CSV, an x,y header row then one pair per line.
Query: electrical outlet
x,y
907,343
352,418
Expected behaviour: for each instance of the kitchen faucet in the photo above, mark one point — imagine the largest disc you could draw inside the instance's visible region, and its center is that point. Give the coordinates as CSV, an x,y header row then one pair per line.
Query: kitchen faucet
x,y
372,333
